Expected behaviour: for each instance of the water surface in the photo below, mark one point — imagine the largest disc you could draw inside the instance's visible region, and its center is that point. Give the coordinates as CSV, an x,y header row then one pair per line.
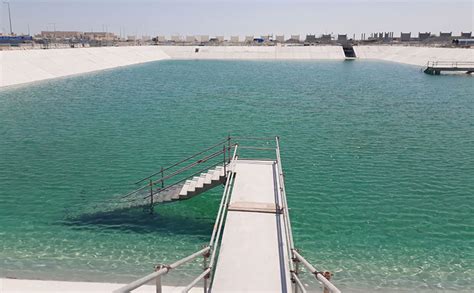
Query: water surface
x,y
379,161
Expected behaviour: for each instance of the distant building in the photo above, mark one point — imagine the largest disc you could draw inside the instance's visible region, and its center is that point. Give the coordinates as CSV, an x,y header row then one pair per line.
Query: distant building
x,y
190,39
100,36
388,36
234,39
161,39
326,38
342,38
131,38
248,39
61,35
220,39
203,38
445,35
310,39
280,39
146,38
405,37
423,36
175,38
294,39
467,35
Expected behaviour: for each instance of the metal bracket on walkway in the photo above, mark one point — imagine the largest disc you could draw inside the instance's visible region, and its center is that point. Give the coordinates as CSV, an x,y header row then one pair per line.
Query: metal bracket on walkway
x,y
255,207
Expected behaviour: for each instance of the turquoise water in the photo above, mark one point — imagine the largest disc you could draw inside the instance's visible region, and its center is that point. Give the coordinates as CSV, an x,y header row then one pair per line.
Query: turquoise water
x,y
379,162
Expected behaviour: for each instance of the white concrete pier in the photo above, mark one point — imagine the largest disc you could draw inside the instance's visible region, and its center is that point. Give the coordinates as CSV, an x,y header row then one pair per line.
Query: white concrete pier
x,y
253,254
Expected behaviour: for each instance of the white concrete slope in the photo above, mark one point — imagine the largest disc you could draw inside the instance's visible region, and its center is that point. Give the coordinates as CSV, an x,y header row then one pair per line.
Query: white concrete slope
x,y
414,55
255,52
22,66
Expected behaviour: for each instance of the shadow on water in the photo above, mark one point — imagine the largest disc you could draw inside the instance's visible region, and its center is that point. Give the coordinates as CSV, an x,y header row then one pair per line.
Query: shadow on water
x,y
137,220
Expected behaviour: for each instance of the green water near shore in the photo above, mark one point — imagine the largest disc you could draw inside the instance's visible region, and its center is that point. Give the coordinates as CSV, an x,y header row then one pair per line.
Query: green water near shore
x,y
379,162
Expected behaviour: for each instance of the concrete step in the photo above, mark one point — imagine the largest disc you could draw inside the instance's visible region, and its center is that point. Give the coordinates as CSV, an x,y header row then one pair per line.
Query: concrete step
x,y
184,189
202,181
208,179
217,173
177,192
192,185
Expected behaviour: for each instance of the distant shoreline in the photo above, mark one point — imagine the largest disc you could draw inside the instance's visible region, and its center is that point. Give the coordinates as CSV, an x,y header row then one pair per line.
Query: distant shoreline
x,y
25,66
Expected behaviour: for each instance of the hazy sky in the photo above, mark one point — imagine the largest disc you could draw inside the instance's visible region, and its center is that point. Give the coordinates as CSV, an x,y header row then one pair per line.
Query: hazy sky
x,y
244,17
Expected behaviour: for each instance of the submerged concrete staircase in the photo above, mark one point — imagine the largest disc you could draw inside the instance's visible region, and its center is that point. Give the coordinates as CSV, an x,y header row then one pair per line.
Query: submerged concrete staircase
x,y
192,187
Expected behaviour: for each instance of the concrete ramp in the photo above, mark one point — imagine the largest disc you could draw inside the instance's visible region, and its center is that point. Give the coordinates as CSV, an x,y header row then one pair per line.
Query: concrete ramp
x,y
253,253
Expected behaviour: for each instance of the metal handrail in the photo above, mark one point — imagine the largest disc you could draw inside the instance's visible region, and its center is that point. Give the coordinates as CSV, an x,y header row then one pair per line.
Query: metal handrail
x,y
209,157
226,196
289,234
256,148
159,189
216,232
195,281
449,63
223,201
286,215
211,249
184,160
163,270
298,282
316,273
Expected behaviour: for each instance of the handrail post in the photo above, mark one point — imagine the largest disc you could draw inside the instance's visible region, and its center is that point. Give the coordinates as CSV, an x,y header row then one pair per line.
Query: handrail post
x,y
206,256
296,272
159,288
228,147
223,151
327,275
162,180
151,196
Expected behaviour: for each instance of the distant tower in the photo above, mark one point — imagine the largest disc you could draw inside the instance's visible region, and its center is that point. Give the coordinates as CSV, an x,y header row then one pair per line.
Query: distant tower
x,y
9,17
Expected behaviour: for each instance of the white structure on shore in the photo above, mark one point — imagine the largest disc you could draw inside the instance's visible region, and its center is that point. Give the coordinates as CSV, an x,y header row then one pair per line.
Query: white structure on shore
x,y
248,39
280,38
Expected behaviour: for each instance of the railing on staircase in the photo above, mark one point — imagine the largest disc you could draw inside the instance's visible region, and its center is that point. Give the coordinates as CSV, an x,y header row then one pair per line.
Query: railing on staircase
x,y
211,250
206,252
177,173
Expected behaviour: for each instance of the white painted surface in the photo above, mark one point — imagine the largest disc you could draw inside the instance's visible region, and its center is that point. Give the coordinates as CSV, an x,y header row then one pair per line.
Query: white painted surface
x,y
23,66
255,52
414,55
253,255
38,286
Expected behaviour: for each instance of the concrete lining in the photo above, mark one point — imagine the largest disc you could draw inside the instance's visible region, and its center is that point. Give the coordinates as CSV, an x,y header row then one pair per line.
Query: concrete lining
x,y
24,66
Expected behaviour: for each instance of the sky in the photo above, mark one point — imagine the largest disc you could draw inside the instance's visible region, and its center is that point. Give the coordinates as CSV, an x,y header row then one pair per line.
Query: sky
x,y
244,17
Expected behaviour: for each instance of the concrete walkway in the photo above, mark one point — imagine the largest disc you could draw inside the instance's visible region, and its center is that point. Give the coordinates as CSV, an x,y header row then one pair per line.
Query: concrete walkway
x,y
253,254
